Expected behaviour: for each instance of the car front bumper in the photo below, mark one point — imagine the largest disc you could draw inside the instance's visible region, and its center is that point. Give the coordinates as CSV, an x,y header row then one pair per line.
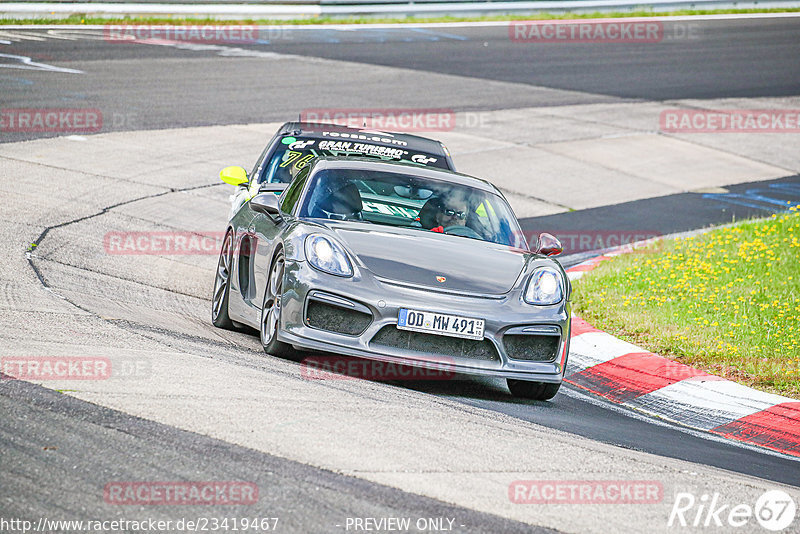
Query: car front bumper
x,y
380,340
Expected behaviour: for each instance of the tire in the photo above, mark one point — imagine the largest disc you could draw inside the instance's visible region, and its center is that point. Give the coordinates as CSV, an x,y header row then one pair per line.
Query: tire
x,y
222,286
271,311
525,389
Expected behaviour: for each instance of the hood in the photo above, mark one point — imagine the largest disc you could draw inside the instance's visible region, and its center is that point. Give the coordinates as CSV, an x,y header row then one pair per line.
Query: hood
x,y
418,257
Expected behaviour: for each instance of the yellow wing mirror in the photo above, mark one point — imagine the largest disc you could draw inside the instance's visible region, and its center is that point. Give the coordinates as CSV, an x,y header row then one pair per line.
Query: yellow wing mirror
x,y
233,175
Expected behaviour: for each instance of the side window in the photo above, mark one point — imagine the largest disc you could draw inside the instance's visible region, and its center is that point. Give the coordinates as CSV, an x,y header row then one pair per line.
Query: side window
x,y
293,192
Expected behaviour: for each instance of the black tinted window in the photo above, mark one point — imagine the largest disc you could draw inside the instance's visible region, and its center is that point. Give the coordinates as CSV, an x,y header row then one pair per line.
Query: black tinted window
x,y
293,192
411,201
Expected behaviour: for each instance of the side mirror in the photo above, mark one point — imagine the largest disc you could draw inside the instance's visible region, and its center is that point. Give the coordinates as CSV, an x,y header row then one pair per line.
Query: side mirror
x,y
266,203
548,245
233,175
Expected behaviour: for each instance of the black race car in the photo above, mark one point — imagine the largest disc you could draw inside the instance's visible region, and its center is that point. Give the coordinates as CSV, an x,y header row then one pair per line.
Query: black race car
x,y
296,143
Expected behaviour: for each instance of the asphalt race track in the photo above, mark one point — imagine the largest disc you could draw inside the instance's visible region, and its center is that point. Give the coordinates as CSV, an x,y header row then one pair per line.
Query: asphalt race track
x,y
719,59
212,406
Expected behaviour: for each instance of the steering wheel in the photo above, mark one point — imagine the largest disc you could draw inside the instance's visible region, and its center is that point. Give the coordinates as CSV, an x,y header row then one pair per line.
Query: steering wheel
x,y
464,231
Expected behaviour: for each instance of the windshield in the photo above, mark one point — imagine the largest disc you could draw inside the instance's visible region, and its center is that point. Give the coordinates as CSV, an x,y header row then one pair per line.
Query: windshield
x,y
293,154
402,200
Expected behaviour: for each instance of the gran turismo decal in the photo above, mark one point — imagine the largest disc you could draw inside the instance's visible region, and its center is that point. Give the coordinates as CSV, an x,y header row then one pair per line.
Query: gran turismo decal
x,y
423,159
299,145
362,148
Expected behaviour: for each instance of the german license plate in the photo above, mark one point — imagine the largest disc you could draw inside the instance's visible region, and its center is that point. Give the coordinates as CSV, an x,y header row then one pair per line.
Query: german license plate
x,y
440,324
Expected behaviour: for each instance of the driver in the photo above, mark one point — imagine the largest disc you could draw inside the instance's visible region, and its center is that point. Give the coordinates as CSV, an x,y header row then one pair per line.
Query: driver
x,y
452,211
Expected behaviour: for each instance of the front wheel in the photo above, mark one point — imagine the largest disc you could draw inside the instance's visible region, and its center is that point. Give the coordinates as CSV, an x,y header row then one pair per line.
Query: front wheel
x,y
532,390
271,311
219,300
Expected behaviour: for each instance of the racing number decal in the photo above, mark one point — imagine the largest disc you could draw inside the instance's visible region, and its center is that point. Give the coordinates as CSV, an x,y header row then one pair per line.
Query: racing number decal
x,y
302,162
292,155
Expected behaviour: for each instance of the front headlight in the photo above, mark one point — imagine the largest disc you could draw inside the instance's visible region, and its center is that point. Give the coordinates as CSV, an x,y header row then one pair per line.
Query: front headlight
x,y
545,287
327,256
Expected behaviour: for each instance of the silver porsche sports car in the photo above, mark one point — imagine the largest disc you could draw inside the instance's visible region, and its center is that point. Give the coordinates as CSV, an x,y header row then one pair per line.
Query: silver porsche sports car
x,y
400,263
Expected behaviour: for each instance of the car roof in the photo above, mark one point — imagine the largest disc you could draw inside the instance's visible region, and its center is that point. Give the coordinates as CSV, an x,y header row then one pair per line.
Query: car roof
x,y
368,164
343,133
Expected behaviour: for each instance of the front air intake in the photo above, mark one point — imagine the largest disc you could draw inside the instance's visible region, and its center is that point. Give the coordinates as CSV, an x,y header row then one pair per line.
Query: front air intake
x,y
421,344
531,347
336,317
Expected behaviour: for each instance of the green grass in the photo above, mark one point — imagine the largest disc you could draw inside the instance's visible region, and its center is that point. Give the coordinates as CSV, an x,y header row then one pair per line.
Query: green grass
x,y
184,19
726,302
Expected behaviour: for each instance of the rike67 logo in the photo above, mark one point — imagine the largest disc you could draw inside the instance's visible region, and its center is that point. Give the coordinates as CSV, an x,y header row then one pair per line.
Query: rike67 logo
x,y
775,511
